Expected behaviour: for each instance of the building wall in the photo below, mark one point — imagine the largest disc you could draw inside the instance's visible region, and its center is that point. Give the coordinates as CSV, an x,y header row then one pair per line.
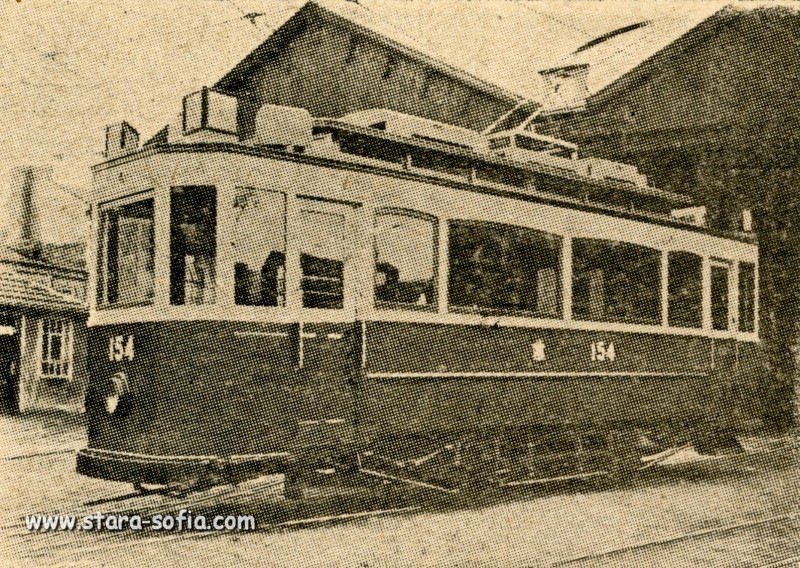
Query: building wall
x,y
718,122
37,392
331,71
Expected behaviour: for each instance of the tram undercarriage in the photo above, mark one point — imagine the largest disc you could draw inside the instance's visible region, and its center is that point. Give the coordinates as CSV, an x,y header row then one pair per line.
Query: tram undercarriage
x,y
448,462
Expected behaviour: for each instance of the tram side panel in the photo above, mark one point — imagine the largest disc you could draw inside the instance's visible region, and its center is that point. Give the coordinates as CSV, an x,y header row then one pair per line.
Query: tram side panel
x,y
445,379
220,389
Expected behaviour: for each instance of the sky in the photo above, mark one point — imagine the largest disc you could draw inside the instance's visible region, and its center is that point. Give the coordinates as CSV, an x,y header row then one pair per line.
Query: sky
x,y
70,67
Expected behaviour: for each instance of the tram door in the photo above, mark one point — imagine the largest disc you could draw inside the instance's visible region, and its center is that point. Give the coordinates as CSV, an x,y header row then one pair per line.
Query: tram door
x,y
328,335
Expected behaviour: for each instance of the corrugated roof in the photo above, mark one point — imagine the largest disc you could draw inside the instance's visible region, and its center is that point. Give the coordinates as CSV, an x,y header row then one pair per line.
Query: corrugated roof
x,y
70,257
19,290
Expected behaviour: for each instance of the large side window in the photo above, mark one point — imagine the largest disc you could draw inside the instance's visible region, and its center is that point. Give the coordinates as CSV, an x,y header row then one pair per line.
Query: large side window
x,y
405,260
504,269
747,296
126,258
719,296
259,242
193,246
615,282
685,286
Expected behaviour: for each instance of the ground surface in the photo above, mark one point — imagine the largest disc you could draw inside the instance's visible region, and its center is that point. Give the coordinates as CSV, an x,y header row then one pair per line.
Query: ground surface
x,y
740,512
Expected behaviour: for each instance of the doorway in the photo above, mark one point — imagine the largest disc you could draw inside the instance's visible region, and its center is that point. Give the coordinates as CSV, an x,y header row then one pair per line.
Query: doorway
x,y
9,364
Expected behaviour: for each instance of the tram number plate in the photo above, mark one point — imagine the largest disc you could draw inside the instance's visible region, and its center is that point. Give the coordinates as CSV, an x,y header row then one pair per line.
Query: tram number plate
x,y
120,347
602,351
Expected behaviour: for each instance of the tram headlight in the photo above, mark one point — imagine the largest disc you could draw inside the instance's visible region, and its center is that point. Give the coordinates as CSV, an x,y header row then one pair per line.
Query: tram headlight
x,y
117,394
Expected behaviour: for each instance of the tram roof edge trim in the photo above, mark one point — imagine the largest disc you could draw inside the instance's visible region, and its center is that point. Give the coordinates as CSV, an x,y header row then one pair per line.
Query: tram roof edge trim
x,y
431,177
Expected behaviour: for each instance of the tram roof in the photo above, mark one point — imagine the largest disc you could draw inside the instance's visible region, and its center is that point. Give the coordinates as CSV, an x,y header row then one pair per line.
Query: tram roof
x,y
487,157
393,169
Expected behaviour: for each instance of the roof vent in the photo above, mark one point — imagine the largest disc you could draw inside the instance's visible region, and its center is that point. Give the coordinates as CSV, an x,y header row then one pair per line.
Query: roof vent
x,y
598,168
121,139
211,111
409,126
529,147
691,215
282,126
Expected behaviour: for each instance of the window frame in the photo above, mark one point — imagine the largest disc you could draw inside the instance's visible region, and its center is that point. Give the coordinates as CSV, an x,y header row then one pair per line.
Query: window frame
x,y
668,307
67,337
102,251
170,236
500,312
728,265
754,300
382,305
658,256
226,288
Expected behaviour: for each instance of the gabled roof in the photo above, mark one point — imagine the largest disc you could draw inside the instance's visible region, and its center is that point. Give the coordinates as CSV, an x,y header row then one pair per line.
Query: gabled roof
x,y
620,58
20,290
356,18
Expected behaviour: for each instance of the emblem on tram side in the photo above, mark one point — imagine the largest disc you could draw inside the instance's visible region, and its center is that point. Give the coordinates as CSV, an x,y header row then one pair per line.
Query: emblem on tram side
x,y
537,350
120,348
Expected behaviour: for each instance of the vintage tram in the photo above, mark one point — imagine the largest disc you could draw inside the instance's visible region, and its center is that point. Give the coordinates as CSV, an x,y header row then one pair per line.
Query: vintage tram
x,y
392,296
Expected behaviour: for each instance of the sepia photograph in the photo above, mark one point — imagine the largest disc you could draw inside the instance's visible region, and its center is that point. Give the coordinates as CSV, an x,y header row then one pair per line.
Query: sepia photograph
x,y
400,283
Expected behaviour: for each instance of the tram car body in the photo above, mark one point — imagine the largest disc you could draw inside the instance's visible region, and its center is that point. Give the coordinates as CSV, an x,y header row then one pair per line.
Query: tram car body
x,y
346,293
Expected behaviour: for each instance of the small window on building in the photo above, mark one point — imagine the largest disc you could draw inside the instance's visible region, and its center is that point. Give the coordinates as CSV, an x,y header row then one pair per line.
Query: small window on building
x,y
259,243
504,269
56,349
126,254
405,260
616,282
685,286
719,296
322,258
747,297
193,246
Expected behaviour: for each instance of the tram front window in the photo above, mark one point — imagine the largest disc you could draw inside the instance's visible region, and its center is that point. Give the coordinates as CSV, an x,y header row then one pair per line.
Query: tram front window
x,y
504,269
259,244
193,249
405,260
322,256
126,257
615,282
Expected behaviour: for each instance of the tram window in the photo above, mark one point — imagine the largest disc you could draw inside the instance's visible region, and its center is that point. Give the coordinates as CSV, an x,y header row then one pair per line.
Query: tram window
x,y
616,282
193,248
259,242
322,255
127,260
685,285
747,297
504,269
405,260
719,297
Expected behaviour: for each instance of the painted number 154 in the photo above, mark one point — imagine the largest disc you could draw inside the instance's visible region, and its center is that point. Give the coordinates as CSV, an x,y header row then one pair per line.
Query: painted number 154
x,y
602,351
120,347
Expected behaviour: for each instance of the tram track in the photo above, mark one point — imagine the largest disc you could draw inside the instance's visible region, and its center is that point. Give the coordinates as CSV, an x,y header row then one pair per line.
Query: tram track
x,y
642,546
258,495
